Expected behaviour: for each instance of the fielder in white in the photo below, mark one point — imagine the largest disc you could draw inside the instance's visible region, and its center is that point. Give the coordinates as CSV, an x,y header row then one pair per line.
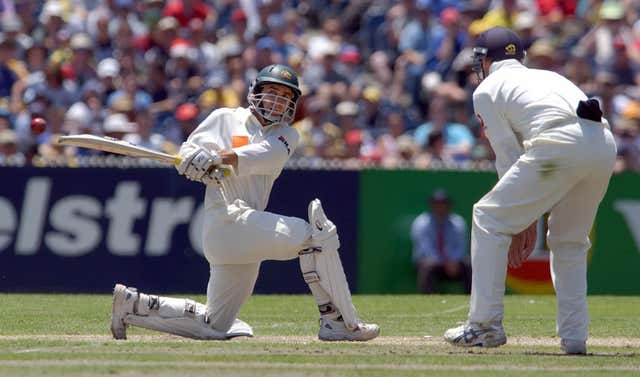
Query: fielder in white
x,y
238,234
554,152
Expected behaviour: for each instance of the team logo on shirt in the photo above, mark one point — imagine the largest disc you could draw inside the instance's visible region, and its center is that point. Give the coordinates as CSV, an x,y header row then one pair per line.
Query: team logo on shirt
x,y
285,142
510,49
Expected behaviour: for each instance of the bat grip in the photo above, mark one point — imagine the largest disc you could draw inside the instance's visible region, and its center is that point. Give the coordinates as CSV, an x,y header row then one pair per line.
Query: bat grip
x,y
225,171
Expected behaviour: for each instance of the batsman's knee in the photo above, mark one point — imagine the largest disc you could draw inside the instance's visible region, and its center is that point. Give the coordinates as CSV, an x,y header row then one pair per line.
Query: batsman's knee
x,y
324,233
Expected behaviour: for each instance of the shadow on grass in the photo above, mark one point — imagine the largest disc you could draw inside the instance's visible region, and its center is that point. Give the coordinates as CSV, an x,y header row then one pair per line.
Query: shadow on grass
x,y
485,352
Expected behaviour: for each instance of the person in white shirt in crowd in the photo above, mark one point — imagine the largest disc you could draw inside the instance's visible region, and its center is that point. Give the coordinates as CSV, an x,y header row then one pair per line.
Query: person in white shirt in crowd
x,y
145,135
554,152
254,143
118,126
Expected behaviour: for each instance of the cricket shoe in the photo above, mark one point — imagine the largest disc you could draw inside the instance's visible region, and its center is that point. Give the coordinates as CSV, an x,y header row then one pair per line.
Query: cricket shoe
x,y
573,347
474,334
335,330
124,299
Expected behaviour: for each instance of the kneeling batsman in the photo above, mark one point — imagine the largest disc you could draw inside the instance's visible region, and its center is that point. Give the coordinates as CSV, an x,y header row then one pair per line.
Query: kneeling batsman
x,y
322,271
242,234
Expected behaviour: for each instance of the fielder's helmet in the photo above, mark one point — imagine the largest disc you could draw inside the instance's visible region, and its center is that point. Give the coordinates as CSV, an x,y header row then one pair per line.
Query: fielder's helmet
x,y
259,102
497,43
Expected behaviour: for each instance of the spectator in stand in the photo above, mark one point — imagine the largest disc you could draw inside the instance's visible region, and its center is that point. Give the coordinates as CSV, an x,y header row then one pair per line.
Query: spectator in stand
x,y
207,54
433,154
504,14
599,41
12,29
8,144
35,59
621,63
419,43
152,12
627,134
266,52
543,55
81,62
108,73
186,10
391,144
5,119
578,70
318,136
347,113
187,118
26,13
452,42
458,139
380,55
144,135
103,47
79,120
440,245
371,115
130,89
118,126
8,77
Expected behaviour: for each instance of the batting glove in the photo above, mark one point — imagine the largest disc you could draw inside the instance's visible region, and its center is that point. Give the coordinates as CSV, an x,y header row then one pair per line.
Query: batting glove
x,y
199,165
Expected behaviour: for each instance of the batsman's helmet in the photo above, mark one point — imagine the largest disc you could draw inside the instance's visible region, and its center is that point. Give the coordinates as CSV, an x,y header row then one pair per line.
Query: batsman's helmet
x,y
497,43
259,102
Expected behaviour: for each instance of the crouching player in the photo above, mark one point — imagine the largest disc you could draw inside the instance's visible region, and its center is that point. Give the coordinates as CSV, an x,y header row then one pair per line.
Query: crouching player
x,y
238,234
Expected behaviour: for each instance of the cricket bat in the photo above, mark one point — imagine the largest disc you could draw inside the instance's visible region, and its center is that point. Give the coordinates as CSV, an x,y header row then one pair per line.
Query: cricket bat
x,y
109,144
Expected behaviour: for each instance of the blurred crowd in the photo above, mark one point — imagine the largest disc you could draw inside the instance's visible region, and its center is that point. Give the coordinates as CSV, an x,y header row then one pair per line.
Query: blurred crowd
x,y
386,83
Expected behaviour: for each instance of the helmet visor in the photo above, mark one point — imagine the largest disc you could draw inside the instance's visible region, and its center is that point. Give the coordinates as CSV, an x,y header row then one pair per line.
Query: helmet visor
x,y
479,53
273,107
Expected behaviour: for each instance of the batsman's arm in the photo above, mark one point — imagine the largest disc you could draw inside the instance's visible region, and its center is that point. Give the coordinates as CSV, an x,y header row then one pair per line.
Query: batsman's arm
x,y
267,156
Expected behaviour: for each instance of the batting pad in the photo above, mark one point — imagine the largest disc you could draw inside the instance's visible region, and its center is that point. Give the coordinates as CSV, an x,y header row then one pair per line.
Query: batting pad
x,y
321,266
182,317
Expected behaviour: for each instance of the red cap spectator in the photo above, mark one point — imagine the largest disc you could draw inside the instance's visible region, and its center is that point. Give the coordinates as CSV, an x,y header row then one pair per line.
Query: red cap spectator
x,y
449,16
176,8
186,111
238,15
350,55
181,48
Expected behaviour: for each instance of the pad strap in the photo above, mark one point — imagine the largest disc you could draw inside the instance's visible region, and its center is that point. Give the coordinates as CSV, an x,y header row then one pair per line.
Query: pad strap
x,y
311,277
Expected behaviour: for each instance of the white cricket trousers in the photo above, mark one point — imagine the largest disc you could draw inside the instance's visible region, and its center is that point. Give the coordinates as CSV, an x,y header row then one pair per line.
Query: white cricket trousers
x,y
236,239
565,170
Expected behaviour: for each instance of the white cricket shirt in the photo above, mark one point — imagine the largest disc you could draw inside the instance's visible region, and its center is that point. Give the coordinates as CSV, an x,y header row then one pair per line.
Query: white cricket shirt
x,y
262,153
515,104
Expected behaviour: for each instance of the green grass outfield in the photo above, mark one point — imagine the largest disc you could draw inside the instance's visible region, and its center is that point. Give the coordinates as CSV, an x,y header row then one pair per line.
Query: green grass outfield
x,y
67,335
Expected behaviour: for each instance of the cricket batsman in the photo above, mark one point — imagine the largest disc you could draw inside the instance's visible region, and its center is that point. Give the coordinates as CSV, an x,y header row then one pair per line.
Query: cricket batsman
x,y
554,153
238,234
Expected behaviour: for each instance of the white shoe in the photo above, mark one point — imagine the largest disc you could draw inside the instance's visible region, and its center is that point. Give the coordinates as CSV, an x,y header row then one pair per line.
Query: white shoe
x,y
123,300
573,347
239,328
334,330
475,334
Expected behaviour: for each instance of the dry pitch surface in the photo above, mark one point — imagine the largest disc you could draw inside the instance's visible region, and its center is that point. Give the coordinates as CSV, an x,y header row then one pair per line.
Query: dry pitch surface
x,y
67,335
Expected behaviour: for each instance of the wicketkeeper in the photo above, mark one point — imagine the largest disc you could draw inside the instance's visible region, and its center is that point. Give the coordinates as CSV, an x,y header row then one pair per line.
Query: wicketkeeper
x,y
554,153
238,234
